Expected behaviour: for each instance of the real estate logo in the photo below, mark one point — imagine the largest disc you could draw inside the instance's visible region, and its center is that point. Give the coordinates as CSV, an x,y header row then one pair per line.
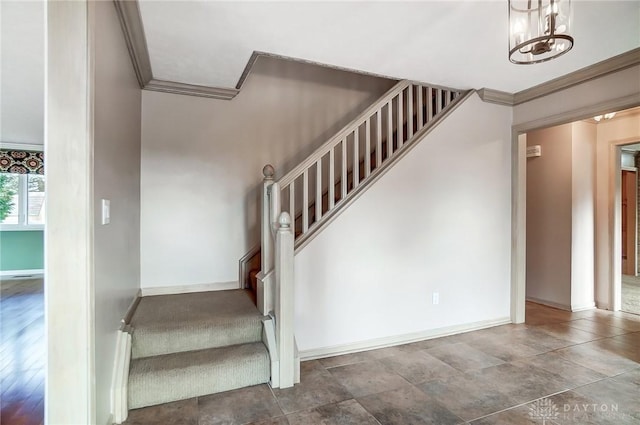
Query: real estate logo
x,y
544,410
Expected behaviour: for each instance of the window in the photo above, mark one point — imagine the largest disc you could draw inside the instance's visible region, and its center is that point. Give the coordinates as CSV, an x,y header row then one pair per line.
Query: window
x,y
22,201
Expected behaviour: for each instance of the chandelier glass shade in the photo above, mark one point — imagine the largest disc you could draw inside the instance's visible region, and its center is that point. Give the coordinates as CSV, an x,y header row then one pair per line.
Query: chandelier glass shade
x,y
539,30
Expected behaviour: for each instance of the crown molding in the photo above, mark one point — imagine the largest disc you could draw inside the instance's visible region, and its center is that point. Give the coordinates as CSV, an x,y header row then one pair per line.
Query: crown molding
x,y
191,89
131,23
496,96
600,69
625,102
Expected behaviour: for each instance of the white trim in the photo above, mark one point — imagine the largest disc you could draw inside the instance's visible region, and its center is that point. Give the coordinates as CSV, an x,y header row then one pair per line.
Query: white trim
x,y
553,304
625,168
496,96
120,378
187,289
600,69
21,274
269,340
588,306
132,308
21,228
518,199
21,146
318,353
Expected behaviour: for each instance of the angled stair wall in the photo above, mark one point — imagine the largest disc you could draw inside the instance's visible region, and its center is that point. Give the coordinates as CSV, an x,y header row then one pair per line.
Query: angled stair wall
x,y
326,182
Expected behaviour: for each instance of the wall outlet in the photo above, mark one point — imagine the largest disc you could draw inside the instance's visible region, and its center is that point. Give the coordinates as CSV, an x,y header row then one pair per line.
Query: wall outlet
x,y
435,298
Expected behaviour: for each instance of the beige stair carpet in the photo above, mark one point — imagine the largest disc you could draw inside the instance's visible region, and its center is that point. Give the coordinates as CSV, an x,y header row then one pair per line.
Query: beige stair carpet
x,y
166,324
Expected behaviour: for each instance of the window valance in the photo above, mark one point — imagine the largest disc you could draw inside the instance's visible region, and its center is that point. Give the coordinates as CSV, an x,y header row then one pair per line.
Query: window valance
x,y
21,162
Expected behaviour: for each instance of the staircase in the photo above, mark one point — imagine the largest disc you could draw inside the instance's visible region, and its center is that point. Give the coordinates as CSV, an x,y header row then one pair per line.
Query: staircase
x,y
190,345
338,171
175,347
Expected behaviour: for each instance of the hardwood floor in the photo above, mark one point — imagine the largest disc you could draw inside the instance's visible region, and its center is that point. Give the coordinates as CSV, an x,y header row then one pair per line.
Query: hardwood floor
x,y
22,349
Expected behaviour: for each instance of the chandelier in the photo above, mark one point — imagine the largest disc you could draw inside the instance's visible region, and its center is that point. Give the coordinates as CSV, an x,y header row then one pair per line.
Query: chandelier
x,y
539,30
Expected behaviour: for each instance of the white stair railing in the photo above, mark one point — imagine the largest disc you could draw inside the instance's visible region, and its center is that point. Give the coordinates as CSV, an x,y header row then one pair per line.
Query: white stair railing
x,y
322,184
275,282
323,181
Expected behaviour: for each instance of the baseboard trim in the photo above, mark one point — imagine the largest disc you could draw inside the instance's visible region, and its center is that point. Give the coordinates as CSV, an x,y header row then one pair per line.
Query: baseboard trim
x,y
553,304
187,289
588,306
21,274
132,308
318,353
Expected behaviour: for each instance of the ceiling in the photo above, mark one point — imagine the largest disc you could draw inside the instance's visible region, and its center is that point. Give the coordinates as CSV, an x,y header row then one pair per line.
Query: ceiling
x,y
462,44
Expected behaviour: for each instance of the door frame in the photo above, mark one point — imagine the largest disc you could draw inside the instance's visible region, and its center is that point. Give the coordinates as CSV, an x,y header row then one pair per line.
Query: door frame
x,y
605,261
632,254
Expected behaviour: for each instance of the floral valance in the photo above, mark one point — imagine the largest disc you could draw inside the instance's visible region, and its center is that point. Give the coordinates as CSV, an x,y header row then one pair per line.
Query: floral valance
x,y
21,162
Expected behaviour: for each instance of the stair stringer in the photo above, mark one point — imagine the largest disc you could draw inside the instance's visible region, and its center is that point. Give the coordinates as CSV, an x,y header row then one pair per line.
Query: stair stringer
x,y
364,185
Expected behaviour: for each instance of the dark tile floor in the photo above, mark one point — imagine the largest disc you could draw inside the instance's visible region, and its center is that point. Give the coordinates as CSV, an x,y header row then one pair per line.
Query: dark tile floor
x,y
559,367
22,352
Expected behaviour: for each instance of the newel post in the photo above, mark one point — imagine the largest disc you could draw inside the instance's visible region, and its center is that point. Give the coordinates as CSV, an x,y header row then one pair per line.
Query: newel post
x,y
284,300
266,237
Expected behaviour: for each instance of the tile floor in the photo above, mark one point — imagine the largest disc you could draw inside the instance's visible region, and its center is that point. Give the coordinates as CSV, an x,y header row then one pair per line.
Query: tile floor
x,y
22,352
559,367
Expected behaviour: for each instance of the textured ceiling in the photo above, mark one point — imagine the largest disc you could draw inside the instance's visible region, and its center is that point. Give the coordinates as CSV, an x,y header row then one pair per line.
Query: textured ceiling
x,y
462,44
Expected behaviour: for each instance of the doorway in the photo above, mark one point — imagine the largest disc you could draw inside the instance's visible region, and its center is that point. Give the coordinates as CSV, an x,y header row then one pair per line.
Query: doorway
x,y
630,288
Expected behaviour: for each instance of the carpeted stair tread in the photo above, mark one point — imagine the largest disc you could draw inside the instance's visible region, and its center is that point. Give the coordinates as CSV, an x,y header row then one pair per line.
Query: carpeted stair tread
x,y
164,324
178,376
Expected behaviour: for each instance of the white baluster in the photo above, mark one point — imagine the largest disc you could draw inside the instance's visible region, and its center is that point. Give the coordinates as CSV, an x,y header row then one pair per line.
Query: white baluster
x,y
429,104
266,237
318,190
390,129
355,173
275,206
420,109
400,129
438,100
367,148
292,200
447,97
284,300
332,180
343,182
305,200
378,138
410,113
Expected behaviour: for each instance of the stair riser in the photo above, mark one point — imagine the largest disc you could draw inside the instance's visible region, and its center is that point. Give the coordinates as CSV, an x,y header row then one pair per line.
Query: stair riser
x,y
162,386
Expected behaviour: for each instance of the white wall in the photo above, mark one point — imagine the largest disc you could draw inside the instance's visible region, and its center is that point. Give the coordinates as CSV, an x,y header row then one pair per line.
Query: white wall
x,y
69,318
549,217
117,178
583,175
202,163
439,220
561,216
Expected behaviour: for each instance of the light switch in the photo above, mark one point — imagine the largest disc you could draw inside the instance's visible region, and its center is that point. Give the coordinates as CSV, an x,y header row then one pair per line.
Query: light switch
x,y
106,211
